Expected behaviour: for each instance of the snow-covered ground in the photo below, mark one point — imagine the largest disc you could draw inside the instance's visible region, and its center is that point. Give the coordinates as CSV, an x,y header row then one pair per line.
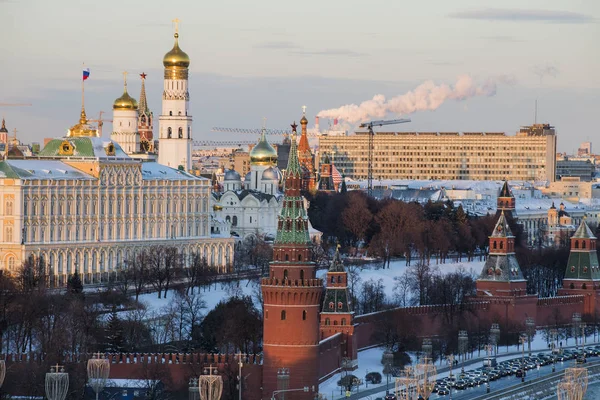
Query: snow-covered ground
x,y
211,296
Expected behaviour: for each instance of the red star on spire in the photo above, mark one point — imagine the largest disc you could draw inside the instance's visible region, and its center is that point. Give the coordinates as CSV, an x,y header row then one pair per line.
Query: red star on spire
x,y
143,75
294,126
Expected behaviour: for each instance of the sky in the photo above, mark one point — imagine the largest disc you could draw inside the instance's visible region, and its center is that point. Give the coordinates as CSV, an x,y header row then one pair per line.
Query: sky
x,y
268,58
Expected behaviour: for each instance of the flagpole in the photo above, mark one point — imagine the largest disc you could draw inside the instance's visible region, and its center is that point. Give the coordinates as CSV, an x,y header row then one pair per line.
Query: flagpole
x,y
82,90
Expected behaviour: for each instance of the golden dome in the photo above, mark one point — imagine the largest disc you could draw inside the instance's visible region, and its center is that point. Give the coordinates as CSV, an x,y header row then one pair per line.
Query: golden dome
x,y
303,121
176,58
263,153
125,102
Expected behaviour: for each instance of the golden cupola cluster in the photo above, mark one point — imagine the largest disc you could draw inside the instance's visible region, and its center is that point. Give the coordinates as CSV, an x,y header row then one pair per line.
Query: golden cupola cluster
x,y
176,58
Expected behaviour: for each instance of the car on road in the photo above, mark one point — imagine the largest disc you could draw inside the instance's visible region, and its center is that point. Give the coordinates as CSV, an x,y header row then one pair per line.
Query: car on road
x,y
520,373
460,385
443,391
580,360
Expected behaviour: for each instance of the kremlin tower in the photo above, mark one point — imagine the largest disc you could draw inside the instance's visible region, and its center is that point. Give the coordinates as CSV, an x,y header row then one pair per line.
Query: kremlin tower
x,y
337,315
145,120
501,275
175,123
305,157
326,183
292,297
125,121
506,201
582,275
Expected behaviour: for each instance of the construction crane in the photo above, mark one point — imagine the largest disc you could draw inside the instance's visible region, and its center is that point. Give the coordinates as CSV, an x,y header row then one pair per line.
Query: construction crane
x,y
214,143
15,104
369,125
100,122
280,132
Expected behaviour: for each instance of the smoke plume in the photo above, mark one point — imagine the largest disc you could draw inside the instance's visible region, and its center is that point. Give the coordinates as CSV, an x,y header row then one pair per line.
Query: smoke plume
x,y
426,96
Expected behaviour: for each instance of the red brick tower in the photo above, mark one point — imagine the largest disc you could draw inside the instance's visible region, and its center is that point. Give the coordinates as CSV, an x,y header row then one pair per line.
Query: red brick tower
x,y
506,201
583,274
501,275
292,296
337,315
326,183
305,157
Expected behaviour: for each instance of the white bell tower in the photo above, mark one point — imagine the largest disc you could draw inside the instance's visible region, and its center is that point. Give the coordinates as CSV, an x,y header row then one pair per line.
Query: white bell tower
x,y
175,123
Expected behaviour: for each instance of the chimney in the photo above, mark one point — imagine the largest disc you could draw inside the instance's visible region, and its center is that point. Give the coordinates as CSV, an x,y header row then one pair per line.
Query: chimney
x,y
317,124
335,122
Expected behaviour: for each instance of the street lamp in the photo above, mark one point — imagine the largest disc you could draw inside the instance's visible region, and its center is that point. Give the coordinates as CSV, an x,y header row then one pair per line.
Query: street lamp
x,y
2,372
388,359
530,329
553,338
463,341
57,383
576,322
495,336
522,340
240,365
427,347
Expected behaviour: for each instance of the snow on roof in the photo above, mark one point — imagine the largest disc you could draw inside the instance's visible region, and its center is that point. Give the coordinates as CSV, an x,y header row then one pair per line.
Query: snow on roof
x,y
154,170
45,169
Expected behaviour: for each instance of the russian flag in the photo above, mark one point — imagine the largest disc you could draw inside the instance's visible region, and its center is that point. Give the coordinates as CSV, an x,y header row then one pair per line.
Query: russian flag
x,y
86,73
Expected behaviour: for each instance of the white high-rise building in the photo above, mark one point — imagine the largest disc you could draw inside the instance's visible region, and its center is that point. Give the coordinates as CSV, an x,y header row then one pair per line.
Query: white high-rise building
x,y
125,122
175,123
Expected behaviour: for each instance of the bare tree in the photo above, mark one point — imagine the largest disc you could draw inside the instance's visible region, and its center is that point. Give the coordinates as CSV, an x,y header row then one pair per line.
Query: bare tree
x,y
163,263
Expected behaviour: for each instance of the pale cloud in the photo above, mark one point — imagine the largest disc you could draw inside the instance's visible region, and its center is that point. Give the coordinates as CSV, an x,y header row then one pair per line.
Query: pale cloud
x,y
329,52
523,15
281,45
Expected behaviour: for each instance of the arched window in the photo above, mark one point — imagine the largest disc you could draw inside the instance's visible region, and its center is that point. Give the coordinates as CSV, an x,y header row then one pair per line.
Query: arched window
x,y
340,305
189,129
169,132
339,279
283,315
11,263
302,274
327,321
334,322
287,257
577,244
303,315
494,245
171,113
228,219
583,244
333,279
501,245
343,321
234,221
180,132
331,305
299,257
285,274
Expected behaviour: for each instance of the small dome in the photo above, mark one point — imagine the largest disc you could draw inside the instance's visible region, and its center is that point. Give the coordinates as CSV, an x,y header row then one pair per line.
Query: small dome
x,y
304,121
270,174
263,153
176,58
231,175
125,102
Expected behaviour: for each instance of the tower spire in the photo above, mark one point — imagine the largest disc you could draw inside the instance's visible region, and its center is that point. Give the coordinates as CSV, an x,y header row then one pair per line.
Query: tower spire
x,y
143,104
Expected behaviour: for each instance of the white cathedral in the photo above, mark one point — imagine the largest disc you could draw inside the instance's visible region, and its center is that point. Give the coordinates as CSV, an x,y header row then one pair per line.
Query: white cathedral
x,y
251,206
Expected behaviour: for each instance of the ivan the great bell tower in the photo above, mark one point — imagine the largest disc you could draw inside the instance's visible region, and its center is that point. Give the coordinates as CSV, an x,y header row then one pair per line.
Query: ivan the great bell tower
x,y
292,297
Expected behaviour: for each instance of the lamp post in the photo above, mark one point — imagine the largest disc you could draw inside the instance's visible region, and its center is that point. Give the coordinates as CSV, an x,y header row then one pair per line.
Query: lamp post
x,y
427,348
240,365
576,322
388,358
583,326
193,389
2,372
98,370
530,329
463,340
57,383
522,340
553,336
495,336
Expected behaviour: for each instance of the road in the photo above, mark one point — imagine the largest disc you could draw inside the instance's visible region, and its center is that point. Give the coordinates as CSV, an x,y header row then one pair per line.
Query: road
x,y
495,386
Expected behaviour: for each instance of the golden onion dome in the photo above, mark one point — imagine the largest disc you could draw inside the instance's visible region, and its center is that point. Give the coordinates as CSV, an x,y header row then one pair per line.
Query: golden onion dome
x,y
263,153
176,57
303,121
125,102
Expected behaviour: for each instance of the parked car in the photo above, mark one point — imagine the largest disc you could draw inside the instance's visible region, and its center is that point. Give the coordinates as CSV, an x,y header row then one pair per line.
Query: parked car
x,y
520,373
580,360
443,391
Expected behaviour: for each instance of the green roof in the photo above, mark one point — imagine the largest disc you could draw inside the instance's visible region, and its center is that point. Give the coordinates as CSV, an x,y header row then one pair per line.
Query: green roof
x,y
583,265
502,229
84,146
583,232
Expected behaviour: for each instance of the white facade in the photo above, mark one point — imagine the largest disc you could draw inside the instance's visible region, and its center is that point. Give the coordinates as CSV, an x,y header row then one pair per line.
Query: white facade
x,y
125,132
92,213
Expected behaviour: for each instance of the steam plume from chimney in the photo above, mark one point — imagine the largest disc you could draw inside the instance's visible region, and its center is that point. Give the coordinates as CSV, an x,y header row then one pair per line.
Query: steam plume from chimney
x,y
426,96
